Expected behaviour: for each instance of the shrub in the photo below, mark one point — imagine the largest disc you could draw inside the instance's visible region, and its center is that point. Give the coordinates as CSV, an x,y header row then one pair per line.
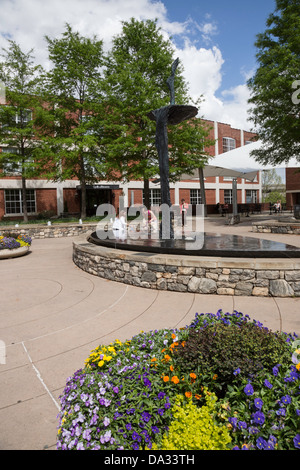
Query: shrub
x,y
221,349
127,395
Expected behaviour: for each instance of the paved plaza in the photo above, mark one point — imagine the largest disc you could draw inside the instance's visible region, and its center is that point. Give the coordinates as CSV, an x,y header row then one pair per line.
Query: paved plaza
x,y
53,314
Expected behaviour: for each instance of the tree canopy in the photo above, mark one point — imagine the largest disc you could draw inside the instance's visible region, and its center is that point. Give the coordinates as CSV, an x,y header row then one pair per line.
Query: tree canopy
x,y
136,74
275,111
21,78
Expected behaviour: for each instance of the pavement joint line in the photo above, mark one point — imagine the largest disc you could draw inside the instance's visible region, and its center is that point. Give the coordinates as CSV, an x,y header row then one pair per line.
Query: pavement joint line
x,y
186,314
40,377
75,324
279,314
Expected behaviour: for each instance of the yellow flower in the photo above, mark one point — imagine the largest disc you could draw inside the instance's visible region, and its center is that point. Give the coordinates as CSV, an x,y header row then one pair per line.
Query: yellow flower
x,y
298,366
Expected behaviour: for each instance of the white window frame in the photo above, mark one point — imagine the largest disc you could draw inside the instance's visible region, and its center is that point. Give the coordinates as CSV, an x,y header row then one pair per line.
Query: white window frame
x,y
18,201
228,144
195,196
227,196
155,197
251,196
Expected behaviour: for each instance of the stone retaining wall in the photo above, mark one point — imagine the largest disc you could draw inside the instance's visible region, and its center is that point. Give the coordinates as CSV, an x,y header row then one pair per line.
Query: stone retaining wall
x,y
207,275
49,231
276,227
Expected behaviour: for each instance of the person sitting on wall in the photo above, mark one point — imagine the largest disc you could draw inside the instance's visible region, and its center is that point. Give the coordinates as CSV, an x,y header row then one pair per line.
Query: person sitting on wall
x,y
150,220
119,226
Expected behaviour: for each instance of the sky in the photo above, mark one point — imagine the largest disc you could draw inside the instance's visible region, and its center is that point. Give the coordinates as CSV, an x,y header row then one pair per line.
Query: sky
x,y
214,39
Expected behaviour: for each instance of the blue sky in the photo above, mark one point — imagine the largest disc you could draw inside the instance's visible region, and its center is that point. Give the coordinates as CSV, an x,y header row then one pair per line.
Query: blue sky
x,y
236,23
213,39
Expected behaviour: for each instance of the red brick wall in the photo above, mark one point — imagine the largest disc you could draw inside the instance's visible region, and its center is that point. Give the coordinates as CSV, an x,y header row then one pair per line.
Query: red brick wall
x,y
210,195
292,176
71,200
46,200
239,196
225,130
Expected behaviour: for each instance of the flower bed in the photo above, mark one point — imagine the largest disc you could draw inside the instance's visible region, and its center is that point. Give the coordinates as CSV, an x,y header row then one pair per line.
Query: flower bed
x,y
178,390
14,245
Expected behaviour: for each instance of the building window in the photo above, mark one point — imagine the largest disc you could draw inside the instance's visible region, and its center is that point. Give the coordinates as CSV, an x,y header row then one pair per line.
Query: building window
x,y
195,196
14,201
228,196
155,197
228,144
251,196
24,117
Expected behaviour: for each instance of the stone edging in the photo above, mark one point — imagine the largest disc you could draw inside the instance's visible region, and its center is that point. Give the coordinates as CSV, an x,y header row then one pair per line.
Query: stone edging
x,y
207,275
276,227
49,231
14,253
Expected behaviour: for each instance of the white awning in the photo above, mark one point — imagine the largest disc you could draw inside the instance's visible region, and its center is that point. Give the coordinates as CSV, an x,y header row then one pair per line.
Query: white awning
x,y
212,170
241,159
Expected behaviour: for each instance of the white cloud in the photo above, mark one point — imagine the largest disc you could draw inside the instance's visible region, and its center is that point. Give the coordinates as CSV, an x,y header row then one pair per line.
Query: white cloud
x,y
27,23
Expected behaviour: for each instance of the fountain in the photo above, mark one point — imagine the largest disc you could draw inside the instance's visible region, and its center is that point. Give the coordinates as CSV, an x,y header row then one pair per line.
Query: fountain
x,y
200,244
179,259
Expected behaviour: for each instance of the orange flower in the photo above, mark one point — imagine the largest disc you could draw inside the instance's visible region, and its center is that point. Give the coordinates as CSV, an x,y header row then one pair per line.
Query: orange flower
x,y
167,357
197,396
153,359
193,377
175,379
171,368
183,344
166,378
173,336
215,377
188,394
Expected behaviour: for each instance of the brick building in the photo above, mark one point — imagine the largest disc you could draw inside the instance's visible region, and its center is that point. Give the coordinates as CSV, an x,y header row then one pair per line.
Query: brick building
x,y
292,180
64,197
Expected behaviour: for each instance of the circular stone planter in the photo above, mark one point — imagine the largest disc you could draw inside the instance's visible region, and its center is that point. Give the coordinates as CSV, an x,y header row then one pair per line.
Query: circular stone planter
x,y
14,253
204,275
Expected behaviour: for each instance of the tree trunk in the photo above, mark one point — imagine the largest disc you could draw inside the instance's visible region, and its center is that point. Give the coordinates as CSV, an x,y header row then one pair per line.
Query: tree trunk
x,y
146,193
83,190
202,190
25,213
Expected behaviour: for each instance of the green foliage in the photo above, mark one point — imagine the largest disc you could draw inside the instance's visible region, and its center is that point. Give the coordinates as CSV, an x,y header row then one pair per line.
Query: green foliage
x,y
17,117
274,113
194,428
223,348
135,83
128,397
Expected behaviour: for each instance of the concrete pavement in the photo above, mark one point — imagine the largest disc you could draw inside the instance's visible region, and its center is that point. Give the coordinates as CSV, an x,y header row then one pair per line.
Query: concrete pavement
x,y
52,315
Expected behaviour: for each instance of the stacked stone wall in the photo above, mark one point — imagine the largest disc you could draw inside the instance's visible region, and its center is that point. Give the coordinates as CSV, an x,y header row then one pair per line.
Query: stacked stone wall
x,y
204,276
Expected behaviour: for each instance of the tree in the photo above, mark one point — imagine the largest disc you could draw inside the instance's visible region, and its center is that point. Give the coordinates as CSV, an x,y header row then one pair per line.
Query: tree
x,y
272,186
136,74
17,131
73,94
276,112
